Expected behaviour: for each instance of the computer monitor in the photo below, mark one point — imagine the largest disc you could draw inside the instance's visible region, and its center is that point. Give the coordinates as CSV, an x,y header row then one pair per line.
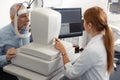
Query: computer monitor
x,y
72,24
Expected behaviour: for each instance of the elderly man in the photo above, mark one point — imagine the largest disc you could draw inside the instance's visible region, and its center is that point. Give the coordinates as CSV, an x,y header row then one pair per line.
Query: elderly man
x,y
10,41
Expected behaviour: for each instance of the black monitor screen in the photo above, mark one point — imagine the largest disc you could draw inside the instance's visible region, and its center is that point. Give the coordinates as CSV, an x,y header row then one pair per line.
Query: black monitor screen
x,y
72,25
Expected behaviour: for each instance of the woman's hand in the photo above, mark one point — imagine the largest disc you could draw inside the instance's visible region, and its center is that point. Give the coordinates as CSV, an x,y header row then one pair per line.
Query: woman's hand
x,y
59,45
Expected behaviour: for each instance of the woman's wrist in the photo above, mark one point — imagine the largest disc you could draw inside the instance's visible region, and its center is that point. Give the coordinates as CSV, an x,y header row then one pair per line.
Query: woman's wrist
x,y
65,58
63,54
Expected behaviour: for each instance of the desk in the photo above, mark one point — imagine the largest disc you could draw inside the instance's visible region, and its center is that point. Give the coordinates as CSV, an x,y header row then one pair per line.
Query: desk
x,y
25,74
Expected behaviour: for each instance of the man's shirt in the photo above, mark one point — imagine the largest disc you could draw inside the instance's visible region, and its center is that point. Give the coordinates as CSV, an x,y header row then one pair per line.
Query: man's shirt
x,y
8,39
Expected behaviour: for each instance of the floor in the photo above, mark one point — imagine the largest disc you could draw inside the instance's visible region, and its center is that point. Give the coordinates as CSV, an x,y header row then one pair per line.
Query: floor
x,y
116,74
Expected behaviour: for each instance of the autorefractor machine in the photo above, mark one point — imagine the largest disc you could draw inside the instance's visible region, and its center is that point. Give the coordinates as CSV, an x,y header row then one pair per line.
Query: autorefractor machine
x,y
40,60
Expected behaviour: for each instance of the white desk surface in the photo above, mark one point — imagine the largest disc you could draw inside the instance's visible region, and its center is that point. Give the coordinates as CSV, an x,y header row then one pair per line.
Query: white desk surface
x,y
24,73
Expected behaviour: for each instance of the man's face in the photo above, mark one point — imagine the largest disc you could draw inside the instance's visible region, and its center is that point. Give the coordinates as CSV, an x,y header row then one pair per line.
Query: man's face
x,y
23,20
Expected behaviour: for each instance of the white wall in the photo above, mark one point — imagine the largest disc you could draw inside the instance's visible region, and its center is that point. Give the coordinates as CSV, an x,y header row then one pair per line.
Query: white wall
x,y
84,4
4,11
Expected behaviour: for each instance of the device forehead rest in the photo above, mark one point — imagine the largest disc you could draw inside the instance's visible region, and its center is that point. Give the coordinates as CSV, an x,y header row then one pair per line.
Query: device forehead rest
x,y
23,11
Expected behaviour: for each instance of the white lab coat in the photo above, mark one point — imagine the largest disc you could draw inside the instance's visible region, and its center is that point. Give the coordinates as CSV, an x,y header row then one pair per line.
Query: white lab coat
x,y
92,64
85,39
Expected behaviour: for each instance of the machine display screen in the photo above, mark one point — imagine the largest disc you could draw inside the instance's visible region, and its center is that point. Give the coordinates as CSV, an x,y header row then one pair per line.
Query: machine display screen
x,y
72,24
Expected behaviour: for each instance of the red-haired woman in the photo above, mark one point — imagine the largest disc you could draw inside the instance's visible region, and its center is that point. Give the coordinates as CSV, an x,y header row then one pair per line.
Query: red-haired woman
x,y
96,60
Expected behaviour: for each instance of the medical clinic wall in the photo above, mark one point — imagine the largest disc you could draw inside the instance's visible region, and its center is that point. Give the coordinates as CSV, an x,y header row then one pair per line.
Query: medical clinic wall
x,y
84,4
4,11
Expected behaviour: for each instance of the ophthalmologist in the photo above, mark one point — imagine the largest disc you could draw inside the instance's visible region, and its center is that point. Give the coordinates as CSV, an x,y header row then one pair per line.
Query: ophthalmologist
x,y
10,41
96,60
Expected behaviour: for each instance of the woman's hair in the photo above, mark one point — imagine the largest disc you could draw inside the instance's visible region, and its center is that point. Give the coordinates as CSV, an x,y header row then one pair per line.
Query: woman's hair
x,y
98,18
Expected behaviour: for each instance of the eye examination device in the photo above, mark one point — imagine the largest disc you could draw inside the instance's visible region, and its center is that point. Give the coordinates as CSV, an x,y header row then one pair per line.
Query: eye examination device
x,y
40,60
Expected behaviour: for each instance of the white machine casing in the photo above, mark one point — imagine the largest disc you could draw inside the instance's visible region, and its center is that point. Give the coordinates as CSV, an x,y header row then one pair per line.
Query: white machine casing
x,y
47,26
40,57
38,65
31,61
41,51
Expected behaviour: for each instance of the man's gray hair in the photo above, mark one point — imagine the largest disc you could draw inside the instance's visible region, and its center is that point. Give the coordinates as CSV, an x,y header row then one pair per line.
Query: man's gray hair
x,y
13,8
